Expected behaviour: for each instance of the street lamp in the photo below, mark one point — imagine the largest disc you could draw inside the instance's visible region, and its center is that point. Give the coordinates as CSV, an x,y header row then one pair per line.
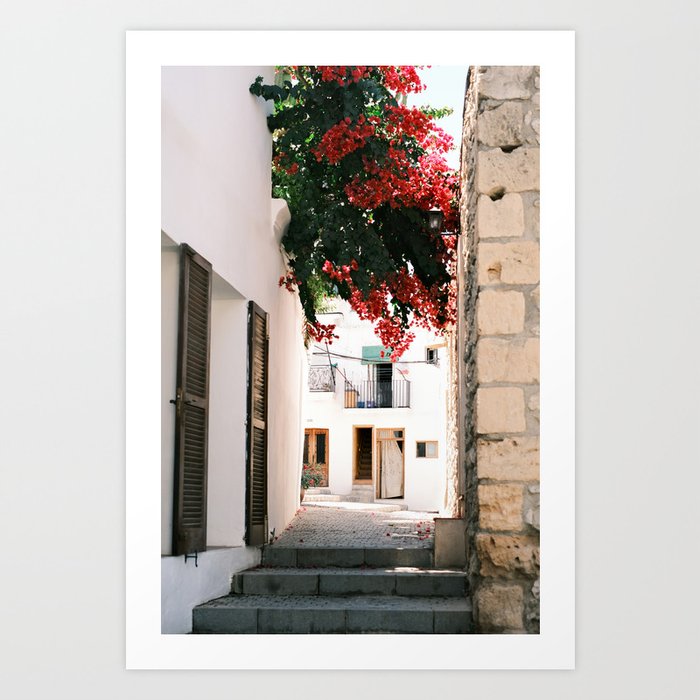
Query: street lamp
x,y
435,218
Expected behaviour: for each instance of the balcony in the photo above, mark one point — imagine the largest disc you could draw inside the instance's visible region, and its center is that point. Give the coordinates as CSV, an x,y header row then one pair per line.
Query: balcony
x,y
322,378
372,394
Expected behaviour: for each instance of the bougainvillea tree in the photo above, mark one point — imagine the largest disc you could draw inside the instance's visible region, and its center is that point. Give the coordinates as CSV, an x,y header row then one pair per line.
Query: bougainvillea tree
x,y
360,171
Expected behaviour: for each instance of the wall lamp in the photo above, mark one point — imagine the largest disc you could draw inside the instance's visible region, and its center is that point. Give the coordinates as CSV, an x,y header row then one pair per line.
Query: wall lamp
x,y
435,220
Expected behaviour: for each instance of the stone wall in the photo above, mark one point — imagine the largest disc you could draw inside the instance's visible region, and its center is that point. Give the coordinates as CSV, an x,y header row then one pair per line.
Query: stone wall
x,y
499,345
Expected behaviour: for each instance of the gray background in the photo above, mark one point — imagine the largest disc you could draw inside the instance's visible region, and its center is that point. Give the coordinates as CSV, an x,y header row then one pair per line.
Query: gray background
x,y
62,348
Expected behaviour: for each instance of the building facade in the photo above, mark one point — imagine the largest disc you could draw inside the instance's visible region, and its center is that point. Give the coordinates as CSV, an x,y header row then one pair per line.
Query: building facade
x,y
232,352
375,426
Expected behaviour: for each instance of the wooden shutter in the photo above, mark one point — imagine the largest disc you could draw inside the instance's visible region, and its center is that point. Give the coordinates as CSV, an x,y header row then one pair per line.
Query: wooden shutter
x,y
192,404
256,481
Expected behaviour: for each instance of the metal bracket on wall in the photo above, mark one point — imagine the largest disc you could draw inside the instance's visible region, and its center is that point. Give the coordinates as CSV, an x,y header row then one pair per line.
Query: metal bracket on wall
x,y
191,556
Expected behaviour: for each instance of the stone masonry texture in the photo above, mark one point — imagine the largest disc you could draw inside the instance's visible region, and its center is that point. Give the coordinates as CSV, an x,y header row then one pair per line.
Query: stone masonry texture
x,y
498,344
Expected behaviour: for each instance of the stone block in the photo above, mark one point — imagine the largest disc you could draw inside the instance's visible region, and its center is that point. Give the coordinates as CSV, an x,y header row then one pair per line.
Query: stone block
x,y
500,217
506,82
510,459
502,126
514,360
517,262
452,622
330,557
431,584
277,583
506,555
279,556
288,620
450,542
518,171
399,621
356,583
397,557
500,410
500,506
499,608
500,313
224,620
532,517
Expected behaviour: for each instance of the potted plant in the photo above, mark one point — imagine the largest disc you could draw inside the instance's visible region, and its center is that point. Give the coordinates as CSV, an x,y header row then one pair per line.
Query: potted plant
x,y
311,475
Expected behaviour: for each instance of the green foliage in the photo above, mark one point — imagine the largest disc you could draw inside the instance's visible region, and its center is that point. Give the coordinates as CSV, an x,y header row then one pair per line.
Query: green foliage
x,y
311,475
318,111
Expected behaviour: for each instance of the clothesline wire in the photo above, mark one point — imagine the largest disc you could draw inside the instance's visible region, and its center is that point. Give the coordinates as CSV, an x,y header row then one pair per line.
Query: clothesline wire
x,y
326,351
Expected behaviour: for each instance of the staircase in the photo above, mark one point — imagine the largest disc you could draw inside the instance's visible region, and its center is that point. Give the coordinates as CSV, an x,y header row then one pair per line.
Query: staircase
x,y
361,493
364,455
348,590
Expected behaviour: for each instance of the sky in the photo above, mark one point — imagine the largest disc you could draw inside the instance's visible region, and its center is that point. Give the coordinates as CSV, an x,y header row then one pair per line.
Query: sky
x,y
445,87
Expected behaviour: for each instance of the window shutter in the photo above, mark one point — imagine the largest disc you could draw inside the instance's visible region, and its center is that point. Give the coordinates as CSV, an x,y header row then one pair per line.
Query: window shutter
x,y
256,482
192,404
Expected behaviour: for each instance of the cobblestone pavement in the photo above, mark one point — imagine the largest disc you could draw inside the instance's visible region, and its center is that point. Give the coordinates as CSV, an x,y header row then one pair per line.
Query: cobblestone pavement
x,y
324,526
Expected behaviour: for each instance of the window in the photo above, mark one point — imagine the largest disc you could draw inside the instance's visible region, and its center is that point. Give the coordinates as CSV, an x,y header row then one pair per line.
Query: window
x,y
431,356
427,448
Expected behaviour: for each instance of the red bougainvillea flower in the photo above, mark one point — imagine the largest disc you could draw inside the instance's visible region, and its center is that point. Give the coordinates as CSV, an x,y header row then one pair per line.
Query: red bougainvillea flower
x,y
360,170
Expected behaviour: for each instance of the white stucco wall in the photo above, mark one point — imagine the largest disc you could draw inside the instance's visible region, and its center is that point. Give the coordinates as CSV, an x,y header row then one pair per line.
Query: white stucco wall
x,y
216,197
184,585
424,478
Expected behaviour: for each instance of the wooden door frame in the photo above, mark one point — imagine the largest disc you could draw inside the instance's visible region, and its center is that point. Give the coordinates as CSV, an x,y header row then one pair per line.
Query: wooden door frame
x,y
354,456
403,463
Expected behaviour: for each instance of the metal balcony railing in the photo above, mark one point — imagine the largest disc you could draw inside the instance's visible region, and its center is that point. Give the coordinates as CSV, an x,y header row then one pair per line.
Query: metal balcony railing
x,y
322,378
371,394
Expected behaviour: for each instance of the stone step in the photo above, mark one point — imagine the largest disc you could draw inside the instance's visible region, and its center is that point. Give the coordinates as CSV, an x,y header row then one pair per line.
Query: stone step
x,y
261,614
319,497
401,581
357,505
318,489
347,557
361,495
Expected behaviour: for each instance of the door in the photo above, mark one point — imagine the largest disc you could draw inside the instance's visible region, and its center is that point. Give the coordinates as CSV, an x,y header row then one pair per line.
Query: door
x,y
256,426
192,404
390,448
316,450
384,374
362,471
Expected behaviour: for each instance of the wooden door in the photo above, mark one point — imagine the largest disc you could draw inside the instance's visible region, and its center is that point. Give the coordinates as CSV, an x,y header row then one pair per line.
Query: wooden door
x,y
316,450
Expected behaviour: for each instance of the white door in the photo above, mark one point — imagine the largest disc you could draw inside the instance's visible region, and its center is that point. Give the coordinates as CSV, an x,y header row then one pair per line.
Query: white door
x,y
390,463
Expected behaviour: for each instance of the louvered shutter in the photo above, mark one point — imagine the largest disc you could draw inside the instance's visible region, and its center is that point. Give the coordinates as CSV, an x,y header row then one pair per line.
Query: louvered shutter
x,y
256,482
192,404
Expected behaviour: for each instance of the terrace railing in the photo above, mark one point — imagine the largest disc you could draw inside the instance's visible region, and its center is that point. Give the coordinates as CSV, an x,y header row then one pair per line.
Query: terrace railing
x,y
373,394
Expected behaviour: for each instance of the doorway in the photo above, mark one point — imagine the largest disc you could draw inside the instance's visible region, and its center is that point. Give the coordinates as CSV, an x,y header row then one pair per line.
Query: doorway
x,y
383,373
390,451
363,461
316,450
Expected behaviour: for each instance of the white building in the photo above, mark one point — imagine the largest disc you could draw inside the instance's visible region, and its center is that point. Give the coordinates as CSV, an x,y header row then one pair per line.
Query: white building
x,y
377,427
233,361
